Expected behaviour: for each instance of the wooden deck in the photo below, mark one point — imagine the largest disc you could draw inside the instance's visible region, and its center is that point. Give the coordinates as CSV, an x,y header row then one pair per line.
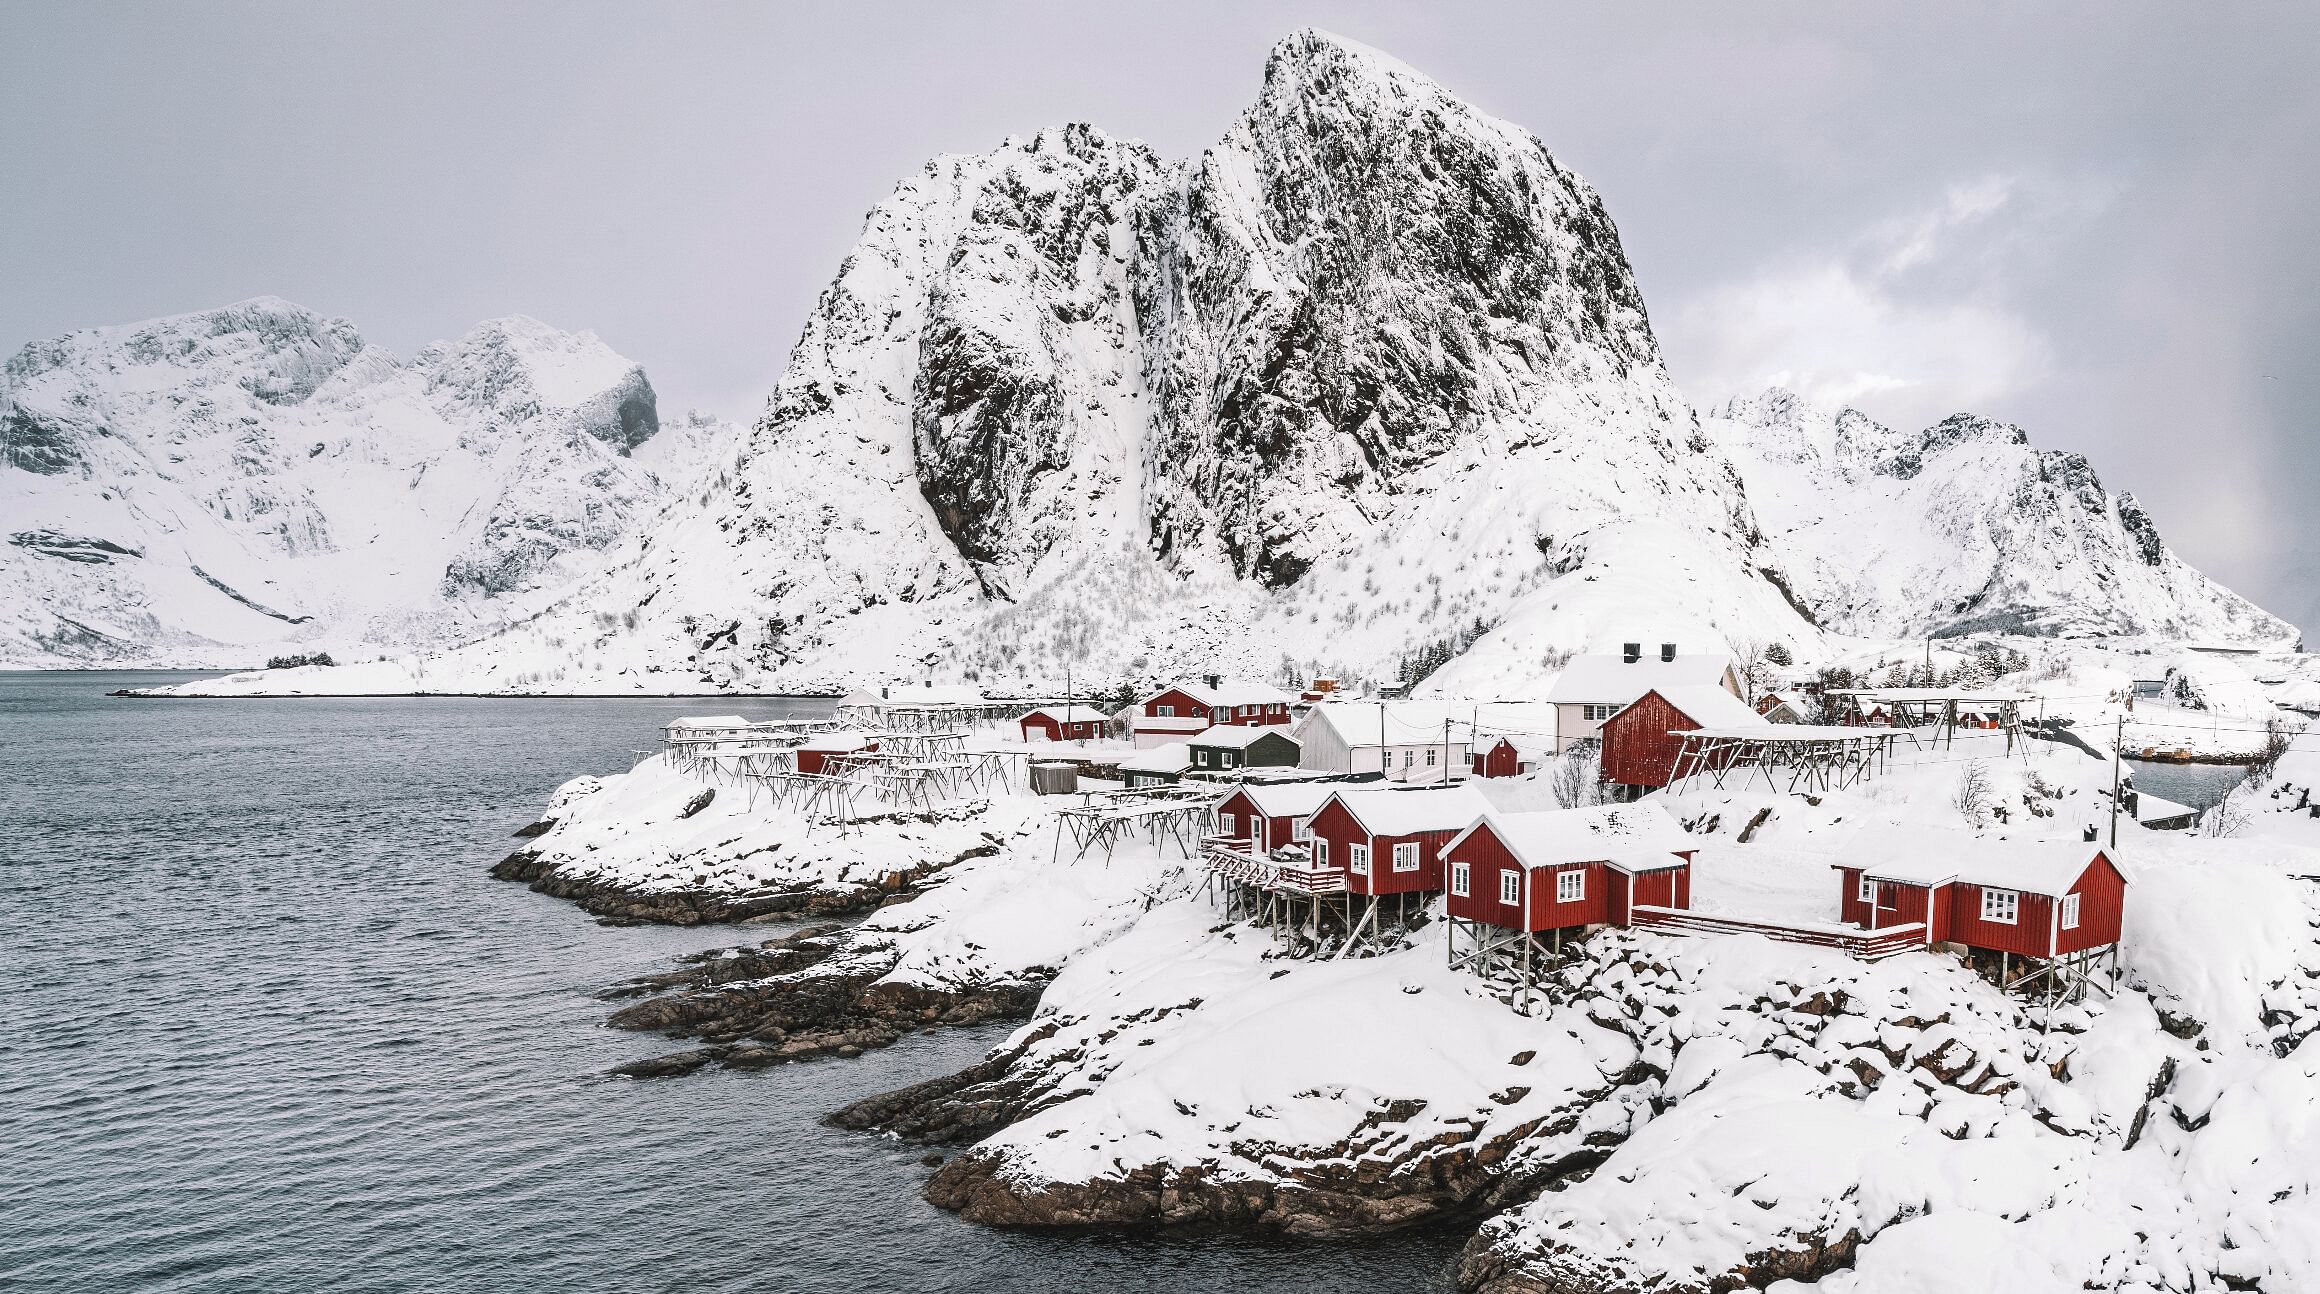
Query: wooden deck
x,y
1231,857
1867,945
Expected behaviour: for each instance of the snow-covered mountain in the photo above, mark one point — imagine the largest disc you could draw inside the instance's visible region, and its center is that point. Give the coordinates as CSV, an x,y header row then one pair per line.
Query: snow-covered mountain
x,y
1963,527
1368,375
220,486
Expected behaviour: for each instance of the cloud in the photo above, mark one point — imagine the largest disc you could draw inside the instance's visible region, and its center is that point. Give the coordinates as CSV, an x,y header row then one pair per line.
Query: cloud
x,y
1908,320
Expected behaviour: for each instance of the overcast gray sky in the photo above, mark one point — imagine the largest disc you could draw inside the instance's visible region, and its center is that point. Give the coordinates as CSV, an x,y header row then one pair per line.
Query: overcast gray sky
x,y
2096,220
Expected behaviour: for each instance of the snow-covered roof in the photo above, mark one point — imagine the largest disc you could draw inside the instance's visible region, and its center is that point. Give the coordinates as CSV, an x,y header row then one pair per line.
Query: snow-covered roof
x,y
1290,799
1989,696
1175,757
1228,693
1614,680
710,721
1071,714
1383,811
1236,736
837,741
1633,837
1936,856
1709,706
1390,723
2152,808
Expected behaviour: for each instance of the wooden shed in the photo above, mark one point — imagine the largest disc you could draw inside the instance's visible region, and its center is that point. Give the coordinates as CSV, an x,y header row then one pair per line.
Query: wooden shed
x,y
1639,742
1226,747
1561,869
2027,898
1065,723
1272,817
1389,841
814,756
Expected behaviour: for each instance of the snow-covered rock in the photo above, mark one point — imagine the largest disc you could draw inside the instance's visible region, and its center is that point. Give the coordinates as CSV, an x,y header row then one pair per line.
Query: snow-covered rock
x,y
216,487
1963,527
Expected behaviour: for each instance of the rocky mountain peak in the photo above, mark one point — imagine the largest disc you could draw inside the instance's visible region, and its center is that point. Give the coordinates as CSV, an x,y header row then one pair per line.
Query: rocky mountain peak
x,y
518,369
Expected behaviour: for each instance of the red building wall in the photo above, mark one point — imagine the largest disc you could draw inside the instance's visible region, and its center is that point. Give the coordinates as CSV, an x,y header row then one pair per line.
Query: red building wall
x,y
2102,905
1489,859
1342,831
1501,760
2027,935
812,762
1637,750
1273,832
1186,707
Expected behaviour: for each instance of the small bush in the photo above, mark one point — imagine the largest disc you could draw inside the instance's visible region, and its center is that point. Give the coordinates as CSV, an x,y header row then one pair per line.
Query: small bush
x,y
293,662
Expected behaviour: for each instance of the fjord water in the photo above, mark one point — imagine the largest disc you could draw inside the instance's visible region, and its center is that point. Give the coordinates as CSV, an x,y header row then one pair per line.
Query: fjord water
x,y
267,1025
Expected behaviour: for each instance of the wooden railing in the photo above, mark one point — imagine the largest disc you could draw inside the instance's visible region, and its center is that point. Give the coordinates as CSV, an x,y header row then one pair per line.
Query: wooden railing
x,y
1867,945
1235,857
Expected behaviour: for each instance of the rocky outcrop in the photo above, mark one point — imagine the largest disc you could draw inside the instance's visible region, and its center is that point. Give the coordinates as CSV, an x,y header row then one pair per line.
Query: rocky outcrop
x,y
623,903
821,991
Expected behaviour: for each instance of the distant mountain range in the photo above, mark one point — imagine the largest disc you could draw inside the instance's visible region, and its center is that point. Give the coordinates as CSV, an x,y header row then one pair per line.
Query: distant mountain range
x,y
1369,380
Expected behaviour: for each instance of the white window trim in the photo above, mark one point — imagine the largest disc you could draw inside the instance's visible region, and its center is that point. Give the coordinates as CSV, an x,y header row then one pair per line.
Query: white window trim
x,y
1357,858
1409,852
1868,891
1510,887
2070,912
1232,823
1163,712
1320,851
1571,885
1461,880
1301,828
1200,758
1996,902
1430,753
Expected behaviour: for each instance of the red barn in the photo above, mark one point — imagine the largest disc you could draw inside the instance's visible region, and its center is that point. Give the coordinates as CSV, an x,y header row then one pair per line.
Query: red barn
x,y
1505,758
1639,745
2032,898
1564,868
1268,817
1389,841
1065,723
814,756
1189,709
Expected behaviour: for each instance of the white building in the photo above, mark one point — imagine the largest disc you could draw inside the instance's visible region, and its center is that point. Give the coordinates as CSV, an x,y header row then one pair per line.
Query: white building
x,y
1408,741
1593,688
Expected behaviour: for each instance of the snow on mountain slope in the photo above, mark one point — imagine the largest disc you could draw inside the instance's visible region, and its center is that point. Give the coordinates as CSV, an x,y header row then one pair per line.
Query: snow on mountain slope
x,y
1354,382
218,486
1963,527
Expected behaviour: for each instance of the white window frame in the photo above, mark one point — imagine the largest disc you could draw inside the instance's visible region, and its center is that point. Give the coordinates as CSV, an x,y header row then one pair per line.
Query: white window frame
x,y
1510,887
1430,753
1163,712
2070,912
1200,759
1407,852
1301,828
1461,880
1409,757
1320,851
1868,890
1232,823
1571,885
1593,713
1357,858
2001,907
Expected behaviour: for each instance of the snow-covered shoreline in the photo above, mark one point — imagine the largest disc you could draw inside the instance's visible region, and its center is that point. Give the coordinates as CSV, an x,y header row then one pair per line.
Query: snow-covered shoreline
x,y
1678,1113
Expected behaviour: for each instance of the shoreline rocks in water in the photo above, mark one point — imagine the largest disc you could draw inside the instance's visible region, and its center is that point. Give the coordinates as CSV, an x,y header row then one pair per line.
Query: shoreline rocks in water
x,y
816,992
618,902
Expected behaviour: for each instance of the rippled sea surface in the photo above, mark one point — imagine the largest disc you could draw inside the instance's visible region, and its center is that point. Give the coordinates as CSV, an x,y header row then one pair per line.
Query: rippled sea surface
x,y
267,1025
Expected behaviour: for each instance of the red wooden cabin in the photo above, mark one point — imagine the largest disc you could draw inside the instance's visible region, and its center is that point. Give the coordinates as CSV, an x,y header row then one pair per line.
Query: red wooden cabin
x,y
1639,745
1189,709
1564,868
1389,841
814,756
2031,898
1266,818
1506,759
1065,723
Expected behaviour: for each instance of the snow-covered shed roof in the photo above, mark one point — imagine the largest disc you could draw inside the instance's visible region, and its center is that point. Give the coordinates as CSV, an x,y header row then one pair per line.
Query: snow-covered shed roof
x,y
1708,706
1390,723
710,721
2152,808
1289,799
1383,811
1933,856
1632,837
1236,736
1614,680
1071,714
1175,757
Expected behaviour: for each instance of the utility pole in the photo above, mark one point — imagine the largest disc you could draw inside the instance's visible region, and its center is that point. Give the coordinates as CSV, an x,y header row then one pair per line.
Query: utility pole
x,y
2118,740
1445,749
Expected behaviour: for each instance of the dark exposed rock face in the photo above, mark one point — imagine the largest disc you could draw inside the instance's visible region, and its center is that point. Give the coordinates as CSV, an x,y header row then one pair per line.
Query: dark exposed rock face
x,y
621,905
812,993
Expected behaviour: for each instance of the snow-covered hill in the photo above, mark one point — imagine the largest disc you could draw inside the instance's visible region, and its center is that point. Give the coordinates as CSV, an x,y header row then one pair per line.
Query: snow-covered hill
x,y
1356,381
1963,527
213,488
